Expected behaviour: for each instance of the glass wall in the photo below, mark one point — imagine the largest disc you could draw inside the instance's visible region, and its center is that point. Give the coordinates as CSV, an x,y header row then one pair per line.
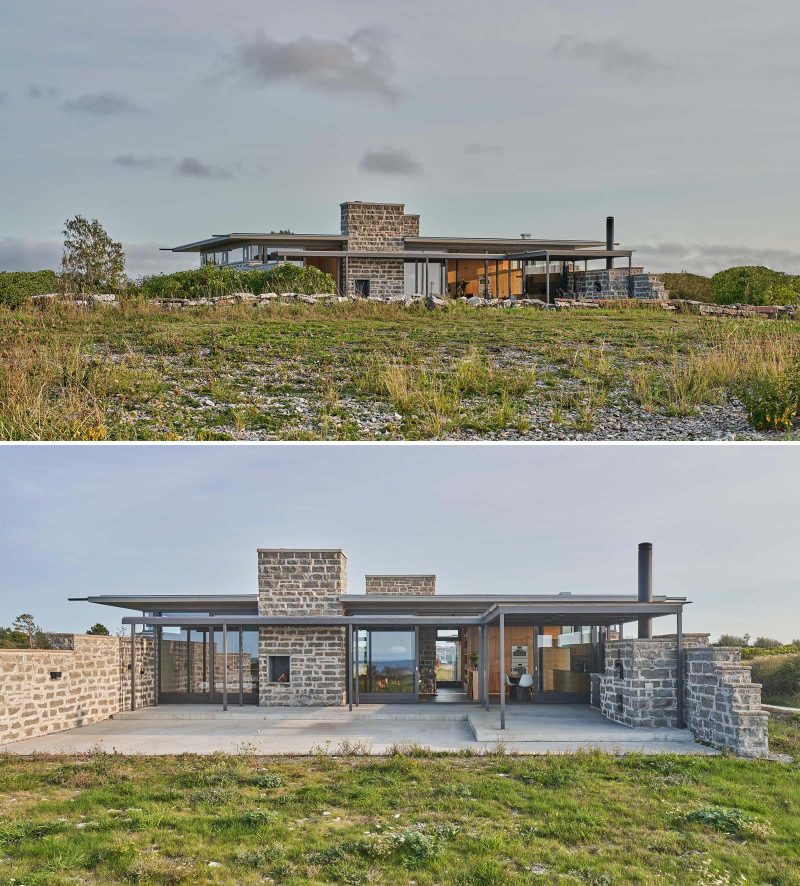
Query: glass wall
x,y
566,657
193,667
387,664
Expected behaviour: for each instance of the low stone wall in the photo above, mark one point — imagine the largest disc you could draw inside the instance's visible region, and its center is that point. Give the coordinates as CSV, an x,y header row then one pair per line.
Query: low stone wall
x,y
723,706
639,687
49,690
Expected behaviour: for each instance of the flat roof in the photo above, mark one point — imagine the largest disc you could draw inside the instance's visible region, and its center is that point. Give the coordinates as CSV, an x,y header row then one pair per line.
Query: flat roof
x,y
400,608
469,244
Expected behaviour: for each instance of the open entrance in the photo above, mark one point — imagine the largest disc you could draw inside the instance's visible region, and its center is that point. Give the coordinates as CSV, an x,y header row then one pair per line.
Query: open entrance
x,y
203,664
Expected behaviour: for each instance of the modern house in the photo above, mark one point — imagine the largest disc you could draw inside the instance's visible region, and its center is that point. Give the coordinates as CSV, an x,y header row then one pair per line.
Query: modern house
x,y
304,639
379,252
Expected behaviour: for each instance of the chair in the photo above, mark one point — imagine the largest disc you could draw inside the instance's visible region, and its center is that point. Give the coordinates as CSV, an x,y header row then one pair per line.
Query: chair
x,y
526,682
509,685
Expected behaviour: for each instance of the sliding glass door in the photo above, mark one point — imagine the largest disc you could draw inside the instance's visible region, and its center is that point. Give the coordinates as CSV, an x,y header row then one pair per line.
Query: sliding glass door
x,y
387,665
194,667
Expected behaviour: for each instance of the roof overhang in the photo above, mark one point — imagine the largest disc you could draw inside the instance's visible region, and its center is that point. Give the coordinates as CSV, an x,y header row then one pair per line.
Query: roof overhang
x,y
231,241
175,602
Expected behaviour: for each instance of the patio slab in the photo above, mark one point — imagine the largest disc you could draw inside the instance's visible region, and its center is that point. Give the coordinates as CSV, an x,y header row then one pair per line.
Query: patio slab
x,y
194,729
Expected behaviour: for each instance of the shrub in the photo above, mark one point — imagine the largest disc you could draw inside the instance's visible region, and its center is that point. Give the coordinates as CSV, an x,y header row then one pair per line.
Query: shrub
x,y
685,285
779,676
210,281
788,649
16,287
766,643
754,286
732,640
771,396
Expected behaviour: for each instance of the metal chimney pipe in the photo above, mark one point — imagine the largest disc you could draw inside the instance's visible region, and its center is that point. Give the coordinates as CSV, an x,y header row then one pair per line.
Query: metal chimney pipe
x,y
645,587
609,240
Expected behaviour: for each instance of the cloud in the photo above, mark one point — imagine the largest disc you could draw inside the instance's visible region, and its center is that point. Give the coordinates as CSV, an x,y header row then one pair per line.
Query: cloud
x,y
479,149
26,254
389,161
358,64
708,259
189,167
103,104
132,161
610,55
35,91
193,168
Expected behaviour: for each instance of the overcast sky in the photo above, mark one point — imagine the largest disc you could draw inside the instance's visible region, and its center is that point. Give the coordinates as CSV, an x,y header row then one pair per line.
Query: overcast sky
x,y
724,522
173,121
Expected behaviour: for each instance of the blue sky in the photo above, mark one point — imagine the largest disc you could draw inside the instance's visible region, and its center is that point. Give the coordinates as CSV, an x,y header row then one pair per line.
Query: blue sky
x,y
724,521
172,121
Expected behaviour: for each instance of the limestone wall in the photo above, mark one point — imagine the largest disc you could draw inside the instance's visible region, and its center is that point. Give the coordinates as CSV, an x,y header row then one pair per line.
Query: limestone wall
x,y
723,705
44,690
615,283
403,585
294,582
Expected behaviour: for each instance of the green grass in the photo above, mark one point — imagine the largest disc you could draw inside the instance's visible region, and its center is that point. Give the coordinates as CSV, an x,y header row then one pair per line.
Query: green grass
x,y
379,372
405,818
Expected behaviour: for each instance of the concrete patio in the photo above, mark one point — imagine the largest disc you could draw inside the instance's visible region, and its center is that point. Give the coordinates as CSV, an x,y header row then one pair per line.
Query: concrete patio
x,y
203,729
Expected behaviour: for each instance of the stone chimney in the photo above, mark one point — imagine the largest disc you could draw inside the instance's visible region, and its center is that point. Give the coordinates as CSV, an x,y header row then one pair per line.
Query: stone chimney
x,y
301,582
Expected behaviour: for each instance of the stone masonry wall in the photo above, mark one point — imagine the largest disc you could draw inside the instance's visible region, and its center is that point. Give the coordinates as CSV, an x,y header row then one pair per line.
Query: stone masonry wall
x,y
294,582
603,283
94,683
427,661
723,706
644,691
404,585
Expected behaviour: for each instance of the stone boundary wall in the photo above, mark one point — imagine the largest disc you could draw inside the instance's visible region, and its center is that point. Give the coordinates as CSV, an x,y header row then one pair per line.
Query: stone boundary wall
x,y
302,582
402,585
723,705
639,687
94,683
615,283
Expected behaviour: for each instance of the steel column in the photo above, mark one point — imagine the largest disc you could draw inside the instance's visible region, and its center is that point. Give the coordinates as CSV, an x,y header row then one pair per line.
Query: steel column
x,y
502,671
157,666
630,278
547,277
679,680
224,667
349,667
355,652
486,278
508,265
133,666
241,674
486,671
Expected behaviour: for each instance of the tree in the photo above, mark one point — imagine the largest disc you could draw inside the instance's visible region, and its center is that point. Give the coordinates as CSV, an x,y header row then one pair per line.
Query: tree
x,y
26,624
99,630
767,643
92,261
733,640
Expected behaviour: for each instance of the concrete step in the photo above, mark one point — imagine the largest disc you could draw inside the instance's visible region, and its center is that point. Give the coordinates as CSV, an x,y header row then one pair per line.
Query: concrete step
x,y
600,732
253,713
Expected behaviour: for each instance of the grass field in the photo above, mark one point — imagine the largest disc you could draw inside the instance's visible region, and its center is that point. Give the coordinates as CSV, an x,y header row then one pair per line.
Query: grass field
x,y
404,818
364,371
